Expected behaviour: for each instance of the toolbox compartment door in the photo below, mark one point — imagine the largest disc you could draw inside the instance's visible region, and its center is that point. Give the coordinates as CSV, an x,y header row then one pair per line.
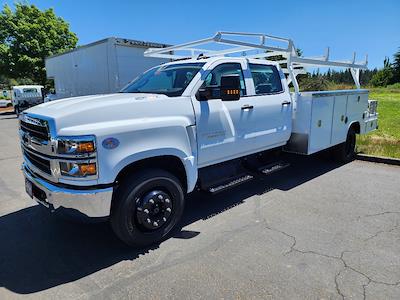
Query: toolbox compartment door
x,y
339,126
321,123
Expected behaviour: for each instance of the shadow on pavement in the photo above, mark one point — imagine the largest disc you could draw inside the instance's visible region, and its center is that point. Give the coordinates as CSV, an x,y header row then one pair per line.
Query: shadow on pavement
x,y
8,115
39,251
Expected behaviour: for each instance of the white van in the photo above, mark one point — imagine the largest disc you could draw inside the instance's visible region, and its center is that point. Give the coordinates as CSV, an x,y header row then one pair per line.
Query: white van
x,y
25,96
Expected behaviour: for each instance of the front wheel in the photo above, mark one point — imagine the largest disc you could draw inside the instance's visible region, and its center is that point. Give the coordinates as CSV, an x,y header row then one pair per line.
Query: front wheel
x,y
146,207
345,152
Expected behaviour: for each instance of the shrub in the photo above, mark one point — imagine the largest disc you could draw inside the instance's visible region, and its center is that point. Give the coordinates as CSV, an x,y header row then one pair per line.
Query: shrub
x,y
382,78
314,84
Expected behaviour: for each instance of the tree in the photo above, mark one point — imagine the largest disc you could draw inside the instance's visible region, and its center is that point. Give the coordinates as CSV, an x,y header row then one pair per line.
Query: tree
x,y
382,78
27,36
396,66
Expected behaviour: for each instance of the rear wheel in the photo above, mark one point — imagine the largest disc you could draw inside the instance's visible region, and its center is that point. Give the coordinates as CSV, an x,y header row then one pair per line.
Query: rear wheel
x,y
147,206
345,152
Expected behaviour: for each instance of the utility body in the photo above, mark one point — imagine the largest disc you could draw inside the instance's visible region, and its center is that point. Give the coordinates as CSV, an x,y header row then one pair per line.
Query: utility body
x,y
207,121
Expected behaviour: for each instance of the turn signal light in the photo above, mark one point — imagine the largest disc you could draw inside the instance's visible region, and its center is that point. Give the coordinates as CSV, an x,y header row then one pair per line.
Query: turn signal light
x,y
87,169
85,147
72,169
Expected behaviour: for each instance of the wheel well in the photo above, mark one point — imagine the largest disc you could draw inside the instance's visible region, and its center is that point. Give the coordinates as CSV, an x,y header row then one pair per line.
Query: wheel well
x,y
356,126
168,163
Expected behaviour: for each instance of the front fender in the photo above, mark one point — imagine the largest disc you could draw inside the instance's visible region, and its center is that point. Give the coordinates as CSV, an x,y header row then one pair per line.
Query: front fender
x,y
138,145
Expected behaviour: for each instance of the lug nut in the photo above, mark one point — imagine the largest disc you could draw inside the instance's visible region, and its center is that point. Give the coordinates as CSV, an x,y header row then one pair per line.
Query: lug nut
x,y
148,221
168,209
151,201
146,211
167,200
155,224
160,197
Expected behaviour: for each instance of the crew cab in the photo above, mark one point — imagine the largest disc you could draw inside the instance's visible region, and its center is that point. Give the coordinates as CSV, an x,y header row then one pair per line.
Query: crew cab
x,y
132,157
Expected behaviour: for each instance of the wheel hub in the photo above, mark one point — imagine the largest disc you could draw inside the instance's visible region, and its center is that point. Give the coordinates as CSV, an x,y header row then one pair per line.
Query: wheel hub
x,y
153,209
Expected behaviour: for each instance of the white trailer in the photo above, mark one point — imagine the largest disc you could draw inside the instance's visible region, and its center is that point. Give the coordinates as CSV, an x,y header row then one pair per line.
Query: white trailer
x,y
101,67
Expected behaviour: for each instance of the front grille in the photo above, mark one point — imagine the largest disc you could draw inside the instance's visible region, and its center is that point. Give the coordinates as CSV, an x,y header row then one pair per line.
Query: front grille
x,y
38,162
37,131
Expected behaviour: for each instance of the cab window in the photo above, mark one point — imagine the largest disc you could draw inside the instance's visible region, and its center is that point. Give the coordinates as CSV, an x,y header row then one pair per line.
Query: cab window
x,y
213,79
29,90
266,79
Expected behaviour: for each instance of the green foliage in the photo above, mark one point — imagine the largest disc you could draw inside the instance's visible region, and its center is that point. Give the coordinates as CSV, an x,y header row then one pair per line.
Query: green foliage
x,y
396,66
27,36
314,83
382,78
386,140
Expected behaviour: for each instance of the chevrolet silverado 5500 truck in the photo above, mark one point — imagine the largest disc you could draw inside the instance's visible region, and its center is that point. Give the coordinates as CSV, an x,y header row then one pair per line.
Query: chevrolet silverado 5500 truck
x,y
193,123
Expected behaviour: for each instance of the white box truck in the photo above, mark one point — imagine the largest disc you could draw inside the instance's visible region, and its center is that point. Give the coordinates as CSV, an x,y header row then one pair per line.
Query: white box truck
x,y
205,121
101,67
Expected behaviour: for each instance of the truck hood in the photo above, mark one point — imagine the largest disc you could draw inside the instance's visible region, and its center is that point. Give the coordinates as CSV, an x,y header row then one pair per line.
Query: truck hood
x,y
89,110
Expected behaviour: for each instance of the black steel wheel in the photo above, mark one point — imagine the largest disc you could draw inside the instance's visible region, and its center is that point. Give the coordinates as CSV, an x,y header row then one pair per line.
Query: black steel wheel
x,y
146,207
345,152
153,210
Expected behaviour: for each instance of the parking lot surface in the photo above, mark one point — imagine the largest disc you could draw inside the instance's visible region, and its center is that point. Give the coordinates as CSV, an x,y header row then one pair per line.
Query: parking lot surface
x,y
316,230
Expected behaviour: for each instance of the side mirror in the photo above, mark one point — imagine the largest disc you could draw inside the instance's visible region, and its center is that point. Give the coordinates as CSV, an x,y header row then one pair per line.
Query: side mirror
x,y
203,94
230,88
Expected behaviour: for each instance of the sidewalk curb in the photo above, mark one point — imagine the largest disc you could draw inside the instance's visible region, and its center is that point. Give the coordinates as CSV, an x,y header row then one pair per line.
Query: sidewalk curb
x,y
378,159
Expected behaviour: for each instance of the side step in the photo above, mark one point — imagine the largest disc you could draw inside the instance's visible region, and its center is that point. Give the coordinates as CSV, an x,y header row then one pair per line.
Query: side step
x,y
230,183
274,167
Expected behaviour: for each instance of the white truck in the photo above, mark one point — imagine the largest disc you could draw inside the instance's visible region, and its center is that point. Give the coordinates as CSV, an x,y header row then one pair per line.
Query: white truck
x,y
193,123
25,96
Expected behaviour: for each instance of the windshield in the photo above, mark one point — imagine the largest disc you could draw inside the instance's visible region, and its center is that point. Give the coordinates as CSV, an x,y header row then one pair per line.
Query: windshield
x,y
170,80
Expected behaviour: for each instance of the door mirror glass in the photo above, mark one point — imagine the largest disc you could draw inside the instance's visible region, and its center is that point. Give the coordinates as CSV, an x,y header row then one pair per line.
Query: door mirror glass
x,y
230,87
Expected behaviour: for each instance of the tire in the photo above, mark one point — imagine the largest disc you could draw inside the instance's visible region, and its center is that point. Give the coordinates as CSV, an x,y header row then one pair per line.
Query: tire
x,y
345,152
132,207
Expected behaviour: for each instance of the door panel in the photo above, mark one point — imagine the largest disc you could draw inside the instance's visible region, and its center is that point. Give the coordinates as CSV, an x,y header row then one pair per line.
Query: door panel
x,y
339,127
218,127
229,129
321,123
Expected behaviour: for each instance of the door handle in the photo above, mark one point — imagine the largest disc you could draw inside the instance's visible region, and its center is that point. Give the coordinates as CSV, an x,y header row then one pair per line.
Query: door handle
x,y
286,103
246,106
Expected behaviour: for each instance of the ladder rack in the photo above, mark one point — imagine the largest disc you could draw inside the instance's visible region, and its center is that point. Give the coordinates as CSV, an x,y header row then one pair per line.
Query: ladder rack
x,y
239,45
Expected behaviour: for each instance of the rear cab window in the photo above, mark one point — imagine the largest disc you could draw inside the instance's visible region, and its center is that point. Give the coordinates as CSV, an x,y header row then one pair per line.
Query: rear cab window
x,y
266,78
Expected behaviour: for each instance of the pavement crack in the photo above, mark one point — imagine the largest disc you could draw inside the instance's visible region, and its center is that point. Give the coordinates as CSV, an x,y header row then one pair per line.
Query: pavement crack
x,y
337,284
383,231
382,213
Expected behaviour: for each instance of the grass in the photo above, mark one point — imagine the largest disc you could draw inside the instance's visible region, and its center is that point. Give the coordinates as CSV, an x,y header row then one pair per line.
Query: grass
x,y
386,140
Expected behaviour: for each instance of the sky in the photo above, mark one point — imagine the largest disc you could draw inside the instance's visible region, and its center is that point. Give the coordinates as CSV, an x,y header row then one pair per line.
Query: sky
x,y
364,26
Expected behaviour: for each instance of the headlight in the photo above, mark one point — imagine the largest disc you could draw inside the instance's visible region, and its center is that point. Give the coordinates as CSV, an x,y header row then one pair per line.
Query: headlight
x,y
76,146
74,169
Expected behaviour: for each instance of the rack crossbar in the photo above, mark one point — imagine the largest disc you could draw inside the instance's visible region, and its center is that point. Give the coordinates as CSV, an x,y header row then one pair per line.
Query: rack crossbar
x,y
289,55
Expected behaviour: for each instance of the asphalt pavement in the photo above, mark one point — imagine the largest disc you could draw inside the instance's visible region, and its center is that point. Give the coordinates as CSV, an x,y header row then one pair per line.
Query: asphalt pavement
x,y
316,230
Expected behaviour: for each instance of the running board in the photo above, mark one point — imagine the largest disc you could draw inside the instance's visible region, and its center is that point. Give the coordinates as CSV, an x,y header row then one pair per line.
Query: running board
x,y
274,167
231,183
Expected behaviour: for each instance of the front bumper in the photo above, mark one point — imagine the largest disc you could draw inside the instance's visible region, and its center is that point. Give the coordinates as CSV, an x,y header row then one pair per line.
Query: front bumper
x,y
93,203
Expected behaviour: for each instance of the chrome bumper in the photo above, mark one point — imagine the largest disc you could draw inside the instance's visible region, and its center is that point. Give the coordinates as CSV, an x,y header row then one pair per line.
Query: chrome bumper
x,y
93,203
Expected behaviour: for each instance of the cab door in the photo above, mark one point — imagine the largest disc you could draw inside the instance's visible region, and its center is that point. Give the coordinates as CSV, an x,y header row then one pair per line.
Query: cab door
x,y
270,123
220,123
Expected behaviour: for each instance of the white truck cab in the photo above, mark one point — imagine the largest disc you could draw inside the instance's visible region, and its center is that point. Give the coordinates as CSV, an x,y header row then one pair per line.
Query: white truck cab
x,y
25,96
134,155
